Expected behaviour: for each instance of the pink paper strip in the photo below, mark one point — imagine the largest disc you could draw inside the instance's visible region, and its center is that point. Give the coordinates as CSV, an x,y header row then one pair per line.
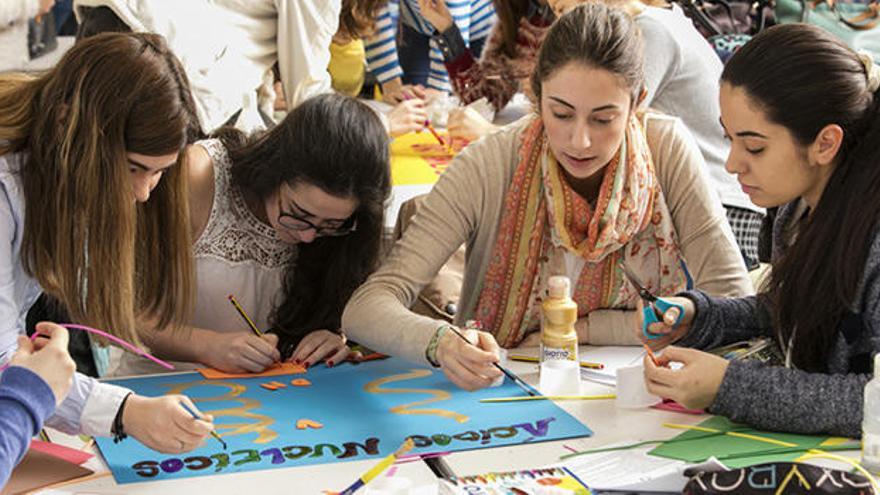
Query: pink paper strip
x,y
130,347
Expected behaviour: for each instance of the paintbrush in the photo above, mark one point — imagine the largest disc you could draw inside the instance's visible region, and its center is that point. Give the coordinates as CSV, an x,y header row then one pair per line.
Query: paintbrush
x,y
515,379
430,128
196,416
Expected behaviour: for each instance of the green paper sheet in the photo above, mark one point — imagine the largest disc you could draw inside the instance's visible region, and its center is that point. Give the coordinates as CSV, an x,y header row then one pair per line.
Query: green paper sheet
x,y
696,446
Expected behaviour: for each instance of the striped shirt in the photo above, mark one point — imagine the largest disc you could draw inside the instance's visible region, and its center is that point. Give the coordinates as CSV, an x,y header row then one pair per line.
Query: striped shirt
x,y
474,18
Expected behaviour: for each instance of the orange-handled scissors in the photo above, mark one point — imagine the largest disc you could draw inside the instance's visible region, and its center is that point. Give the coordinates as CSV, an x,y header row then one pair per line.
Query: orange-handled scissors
x,y
655,307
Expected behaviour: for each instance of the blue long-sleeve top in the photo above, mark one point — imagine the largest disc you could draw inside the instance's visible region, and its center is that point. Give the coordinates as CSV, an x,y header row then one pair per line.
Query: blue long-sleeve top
x,y
26,401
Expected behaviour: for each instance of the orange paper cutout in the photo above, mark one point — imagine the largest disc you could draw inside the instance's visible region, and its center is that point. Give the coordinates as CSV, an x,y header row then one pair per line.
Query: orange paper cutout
x,y
300,382
269,386
274,370
278,384
302,424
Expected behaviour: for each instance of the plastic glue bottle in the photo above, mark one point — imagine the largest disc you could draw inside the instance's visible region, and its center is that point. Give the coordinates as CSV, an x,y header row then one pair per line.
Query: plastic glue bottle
x,y
560,368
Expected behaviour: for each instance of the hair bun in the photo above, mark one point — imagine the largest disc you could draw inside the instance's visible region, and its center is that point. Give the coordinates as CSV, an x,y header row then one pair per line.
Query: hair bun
x,y
871,70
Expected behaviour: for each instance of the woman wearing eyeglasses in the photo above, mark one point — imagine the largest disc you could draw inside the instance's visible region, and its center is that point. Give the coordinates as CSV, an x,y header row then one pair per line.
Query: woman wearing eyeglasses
x,y
290,223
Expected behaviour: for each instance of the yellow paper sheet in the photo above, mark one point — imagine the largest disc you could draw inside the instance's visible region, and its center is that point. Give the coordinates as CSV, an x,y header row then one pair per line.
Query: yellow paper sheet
x,y
418,158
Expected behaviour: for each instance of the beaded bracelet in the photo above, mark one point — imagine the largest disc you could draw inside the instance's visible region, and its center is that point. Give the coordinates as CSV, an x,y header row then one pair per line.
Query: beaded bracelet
x,y
431,350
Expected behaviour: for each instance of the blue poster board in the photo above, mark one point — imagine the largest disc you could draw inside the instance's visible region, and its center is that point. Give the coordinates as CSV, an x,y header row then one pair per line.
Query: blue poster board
x,y
367,411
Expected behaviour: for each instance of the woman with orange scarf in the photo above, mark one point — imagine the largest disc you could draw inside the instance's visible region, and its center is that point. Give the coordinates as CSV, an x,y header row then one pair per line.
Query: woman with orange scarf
x,y
587,185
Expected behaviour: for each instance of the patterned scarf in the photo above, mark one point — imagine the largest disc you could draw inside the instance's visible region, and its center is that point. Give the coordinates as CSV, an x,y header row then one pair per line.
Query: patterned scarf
x,y
542,213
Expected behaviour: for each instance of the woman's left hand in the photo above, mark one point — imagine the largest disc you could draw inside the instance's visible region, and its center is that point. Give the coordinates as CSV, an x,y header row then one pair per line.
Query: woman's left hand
x,y
321,345
694,385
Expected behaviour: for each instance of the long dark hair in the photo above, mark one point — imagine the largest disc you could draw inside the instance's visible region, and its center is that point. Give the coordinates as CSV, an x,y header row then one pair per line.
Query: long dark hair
x,y
805,79
339,145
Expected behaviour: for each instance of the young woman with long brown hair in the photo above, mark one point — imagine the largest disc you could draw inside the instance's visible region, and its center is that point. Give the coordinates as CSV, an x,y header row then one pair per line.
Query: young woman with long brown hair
x,y
83,148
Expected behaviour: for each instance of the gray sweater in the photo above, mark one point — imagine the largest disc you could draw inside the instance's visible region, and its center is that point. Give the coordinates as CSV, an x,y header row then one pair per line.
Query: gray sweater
x,y
792,400
681,76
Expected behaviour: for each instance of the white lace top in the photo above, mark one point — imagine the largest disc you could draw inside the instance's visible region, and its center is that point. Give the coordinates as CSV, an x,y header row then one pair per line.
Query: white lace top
x,y
235,254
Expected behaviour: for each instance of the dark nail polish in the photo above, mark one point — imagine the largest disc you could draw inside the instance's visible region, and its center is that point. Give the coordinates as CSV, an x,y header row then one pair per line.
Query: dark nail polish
x,y
329,364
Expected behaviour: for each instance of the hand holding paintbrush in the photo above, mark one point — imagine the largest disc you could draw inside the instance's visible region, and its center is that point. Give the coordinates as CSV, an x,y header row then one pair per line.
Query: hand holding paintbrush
x,y
472,363
427,124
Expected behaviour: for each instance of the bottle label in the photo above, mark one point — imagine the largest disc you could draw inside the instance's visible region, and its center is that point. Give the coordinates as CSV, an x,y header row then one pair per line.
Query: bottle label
x,y
558,353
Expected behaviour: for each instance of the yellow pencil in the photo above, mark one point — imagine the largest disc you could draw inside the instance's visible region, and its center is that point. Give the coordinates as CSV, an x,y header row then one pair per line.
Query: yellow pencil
x,y
551,397
245,316
379,468
530,359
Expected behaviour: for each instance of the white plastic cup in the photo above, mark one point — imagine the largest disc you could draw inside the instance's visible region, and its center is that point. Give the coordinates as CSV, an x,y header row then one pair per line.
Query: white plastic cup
x,y
502,356
631,390
560,377
394,485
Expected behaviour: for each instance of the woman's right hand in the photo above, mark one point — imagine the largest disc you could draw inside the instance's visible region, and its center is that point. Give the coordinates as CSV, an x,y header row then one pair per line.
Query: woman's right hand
x,y
667,332
162,424
407,116
48,358
469,364
240,352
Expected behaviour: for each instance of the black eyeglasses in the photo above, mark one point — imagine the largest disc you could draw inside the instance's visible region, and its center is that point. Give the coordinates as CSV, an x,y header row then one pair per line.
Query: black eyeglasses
x,y
298,223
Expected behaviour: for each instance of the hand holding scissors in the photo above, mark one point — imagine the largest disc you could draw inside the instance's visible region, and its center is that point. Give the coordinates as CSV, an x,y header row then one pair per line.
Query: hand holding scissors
x,y
655,307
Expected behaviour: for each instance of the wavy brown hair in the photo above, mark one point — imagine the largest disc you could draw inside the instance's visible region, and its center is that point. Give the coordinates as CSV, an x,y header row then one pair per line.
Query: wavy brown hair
x,y
357,18
103,257
803,78
509,14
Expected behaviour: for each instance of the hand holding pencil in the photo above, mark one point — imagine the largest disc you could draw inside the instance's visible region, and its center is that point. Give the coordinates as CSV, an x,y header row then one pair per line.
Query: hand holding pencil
x,y
241,352
251,351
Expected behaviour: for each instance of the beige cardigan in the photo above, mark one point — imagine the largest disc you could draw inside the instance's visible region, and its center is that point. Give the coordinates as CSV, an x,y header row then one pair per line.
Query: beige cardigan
x,y
465,207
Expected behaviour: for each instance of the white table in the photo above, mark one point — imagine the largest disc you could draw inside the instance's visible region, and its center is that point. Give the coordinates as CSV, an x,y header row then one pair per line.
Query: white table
x,y
608,423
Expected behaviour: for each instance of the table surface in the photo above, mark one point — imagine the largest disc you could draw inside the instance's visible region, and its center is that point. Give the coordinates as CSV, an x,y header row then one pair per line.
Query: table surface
x,y
609,424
